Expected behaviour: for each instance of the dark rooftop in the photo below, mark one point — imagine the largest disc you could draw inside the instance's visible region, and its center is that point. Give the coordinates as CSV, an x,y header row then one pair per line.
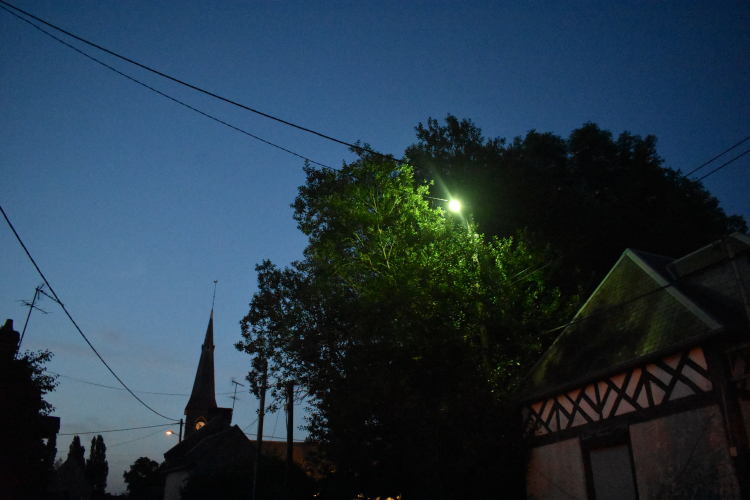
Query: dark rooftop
x,y
636,311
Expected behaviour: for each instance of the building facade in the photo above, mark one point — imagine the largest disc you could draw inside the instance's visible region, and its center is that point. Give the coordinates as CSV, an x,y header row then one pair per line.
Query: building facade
x,y
645,393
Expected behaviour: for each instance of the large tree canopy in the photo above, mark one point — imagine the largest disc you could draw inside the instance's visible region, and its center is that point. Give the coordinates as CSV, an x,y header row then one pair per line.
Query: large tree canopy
x,y
587,197
405,329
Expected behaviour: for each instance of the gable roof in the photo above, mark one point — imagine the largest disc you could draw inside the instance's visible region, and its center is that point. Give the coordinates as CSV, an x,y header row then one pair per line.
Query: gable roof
x,y
635,312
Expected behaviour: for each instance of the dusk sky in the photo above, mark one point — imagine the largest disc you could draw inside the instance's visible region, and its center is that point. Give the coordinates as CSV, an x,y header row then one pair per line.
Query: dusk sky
x,y
132,205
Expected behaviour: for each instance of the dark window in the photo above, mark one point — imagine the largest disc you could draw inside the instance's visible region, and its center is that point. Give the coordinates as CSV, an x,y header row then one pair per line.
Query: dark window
x,y
612,473
609,467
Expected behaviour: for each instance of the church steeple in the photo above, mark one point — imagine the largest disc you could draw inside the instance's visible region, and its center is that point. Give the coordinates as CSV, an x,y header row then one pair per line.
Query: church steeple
x,y
202,404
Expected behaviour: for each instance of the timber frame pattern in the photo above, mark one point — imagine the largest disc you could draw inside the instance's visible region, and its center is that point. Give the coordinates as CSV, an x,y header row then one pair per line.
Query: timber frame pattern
x,y
675,377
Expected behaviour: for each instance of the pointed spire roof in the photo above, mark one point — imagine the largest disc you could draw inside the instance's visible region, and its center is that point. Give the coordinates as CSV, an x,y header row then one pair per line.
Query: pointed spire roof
x,y
203,396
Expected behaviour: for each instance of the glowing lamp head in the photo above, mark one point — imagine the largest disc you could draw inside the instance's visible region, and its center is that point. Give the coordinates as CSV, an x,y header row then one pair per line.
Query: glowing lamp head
x,y
169,433
455,205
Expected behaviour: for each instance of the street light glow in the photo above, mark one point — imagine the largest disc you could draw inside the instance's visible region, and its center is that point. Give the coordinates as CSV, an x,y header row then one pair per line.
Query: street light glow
x,y
455,205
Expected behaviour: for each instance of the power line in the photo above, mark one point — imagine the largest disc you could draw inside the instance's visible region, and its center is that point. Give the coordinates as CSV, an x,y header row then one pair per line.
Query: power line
x,y
724,165
121,389
114,430
716,157
176,80
136,439
275,437
162,93
56,299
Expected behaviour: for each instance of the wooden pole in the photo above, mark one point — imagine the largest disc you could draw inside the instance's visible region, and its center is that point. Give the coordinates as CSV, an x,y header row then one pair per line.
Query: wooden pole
x,y
260,429
289,437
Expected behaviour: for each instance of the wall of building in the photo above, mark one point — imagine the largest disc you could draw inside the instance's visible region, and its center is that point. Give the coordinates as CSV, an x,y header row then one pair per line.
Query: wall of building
x,y
555,472
174,483
684,455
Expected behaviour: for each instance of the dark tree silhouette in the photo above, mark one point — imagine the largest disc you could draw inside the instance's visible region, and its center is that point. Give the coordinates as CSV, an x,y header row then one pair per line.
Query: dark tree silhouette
x,y
97,467
144,473
27,450
77,452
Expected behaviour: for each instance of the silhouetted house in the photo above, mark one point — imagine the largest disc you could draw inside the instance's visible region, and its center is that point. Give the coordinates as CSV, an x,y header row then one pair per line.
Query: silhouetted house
x,y
645,393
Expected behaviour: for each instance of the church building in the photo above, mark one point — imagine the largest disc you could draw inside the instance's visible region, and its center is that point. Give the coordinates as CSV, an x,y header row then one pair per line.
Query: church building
x,y
211,442
202,407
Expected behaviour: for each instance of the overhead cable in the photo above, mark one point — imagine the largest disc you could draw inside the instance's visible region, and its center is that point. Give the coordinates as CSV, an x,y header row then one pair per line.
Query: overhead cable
x,y
276,437
716,157
724,165
132,440
115,430
57,299
176,80
160,92
121,389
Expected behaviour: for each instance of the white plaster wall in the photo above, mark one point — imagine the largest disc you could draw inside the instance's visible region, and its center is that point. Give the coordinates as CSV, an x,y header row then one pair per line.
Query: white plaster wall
x,y
555,472
684,456
175,482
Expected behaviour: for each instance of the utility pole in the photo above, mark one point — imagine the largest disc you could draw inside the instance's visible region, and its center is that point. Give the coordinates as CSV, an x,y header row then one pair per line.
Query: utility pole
x,y
179,436
289,437
260,427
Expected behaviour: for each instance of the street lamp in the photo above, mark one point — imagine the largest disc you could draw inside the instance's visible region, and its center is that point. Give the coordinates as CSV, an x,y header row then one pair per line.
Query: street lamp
x,y
179,436
454,205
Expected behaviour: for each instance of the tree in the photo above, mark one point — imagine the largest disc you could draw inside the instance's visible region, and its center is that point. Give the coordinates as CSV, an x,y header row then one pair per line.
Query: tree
x,y
406,329
144,473
27,449
97,467
77,452
587,197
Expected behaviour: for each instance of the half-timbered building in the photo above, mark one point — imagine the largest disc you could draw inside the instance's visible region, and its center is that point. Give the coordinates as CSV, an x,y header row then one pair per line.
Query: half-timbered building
x,y
646,393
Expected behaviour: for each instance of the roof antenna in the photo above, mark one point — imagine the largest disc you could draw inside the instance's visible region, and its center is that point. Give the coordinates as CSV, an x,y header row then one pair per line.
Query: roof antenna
x,y
214,299
234,398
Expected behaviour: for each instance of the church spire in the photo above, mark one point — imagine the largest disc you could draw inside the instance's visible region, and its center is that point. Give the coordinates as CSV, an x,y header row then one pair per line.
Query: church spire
x,y
203,396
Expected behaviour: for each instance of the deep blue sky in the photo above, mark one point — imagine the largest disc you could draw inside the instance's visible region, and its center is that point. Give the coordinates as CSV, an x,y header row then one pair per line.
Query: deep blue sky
x,y
133,205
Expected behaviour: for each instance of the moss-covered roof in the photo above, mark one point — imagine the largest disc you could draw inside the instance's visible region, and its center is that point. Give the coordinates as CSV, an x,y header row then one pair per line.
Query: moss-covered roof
x,y
635,311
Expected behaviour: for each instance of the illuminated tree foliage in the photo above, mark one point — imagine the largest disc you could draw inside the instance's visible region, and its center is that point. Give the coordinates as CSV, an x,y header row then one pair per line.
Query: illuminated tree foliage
x,y
587,197
406,330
